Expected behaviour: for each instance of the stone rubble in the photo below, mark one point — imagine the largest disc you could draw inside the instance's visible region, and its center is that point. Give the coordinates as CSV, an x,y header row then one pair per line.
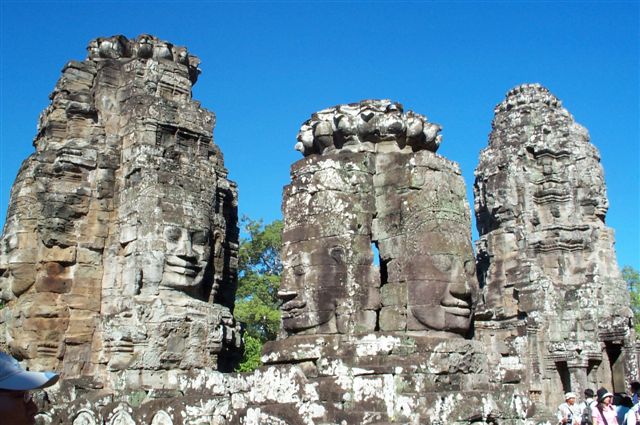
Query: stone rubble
x,y
118,262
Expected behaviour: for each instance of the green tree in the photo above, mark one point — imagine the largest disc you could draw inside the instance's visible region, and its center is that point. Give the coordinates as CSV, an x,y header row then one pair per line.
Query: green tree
x,y
259,269
632,277
251,356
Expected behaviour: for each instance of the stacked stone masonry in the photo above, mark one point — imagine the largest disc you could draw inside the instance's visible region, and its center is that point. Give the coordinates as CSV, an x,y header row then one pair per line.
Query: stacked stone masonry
x,y
118,262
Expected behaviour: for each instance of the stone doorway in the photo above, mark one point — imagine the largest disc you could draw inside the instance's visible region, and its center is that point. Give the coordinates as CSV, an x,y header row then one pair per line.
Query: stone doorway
x,y
616,363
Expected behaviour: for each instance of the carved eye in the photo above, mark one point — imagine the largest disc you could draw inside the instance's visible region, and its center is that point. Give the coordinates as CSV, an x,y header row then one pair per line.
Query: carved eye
x,y
337,253
200,238
173,234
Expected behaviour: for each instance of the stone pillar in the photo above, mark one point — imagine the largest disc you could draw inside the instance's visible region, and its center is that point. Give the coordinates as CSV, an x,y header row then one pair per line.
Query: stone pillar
x,y
578,373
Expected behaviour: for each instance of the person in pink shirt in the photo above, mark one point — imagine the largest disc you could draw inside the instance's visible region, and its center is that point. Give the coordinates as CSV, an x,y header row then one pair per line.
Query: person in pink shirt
x,y
603,413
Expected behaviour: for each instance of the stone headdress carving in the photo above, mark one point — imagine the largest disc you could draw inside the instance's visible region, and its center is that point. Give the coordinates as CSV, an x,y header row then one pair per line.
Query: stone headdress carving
x,y
358,126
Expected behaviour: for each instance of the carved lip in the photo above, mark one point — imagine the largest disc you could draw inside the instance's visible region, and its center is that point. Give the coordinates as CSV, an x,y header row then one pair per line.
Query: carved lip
x,y
458,310
292,308
293,305
180,265
457,306
183,270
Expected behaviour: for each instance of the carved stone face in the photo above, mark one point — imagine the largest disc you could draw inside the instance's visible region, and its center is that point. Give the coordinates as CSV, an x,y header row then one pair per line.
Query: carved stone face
x,y
345,198
187,257
16,276
444,301
311,293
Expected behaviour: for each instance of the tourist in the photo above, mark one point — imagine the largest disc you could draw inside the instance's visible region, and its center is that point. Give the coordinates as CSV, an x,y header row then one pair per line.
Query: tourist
x,y
622,406
633,416
569,412
16,404
603,412
589,400
585,406
635,392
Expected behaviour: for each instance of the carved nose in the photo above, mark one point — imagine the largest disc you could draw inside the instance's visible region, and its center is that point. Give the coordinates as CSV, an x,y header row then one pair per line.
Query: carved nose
x,y
460,292
185,250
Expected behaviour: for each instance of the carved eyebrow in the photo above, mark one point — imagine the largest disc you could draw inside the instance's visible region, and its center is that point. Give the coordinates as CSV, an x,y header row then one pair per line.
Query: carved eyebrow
x,y
173,233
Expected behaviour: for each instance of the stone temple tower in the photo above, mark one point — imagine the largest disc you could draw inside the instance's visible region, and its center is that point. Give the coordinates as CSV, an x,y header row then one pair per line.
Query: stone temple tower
x,y
120,245
371,177
552,294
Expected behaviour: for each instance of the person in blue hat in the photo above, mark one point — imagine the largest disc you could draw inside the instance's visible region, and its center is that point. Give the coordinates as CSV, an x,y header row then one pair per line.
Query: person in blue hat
x,y
16,384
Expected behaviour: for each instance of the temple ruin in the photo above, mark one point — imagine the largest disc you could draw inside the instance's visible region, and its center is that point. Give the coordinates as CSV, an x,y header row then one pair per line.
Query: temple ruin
x,y
118,262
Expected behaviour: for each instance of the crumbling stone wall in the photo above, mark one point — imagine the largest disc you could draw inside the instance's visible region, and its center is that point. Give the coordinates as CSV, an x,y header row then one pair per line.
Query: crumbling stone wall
x,y
552,297
119,249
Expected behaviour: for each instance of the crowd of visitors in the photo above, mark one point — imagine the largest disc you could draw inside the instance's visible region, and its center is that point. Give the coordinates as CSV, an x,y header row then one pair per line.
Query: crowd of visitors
x,y
601,408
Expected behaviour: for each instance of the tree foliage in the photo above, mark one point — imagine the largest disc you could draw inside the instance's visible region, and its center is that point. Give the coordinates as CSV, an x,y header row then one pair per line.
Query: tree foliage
x,y
632,277
259,270
251,357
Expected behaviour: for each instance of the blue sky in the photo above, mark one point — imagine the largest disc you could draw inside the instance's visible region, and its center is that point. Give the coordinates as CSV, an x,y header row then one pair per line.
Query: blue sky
x,y
268,65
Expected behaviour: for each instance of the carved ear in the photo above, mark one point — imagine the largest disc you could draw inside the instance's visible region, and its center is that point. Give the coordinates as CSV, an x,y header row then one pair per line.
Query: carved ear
x,y
217,244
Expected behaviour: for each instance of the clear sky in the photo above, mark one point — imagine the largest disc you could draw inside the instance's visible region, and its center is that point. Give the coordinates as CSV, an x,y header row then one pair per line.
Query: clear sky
x,y
268,65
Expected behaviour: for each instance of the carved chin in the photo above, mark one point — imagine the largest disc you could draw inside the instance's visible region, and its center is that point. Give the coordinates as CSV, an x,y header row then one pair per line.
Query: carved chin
x,y
440,318
300,321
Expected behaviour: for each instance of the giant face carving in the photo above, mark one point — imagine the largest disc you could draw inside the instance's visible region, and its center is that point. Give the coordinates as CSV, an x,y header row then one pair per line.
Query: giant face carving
x,y
387,187
312,288
444,300
187,256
